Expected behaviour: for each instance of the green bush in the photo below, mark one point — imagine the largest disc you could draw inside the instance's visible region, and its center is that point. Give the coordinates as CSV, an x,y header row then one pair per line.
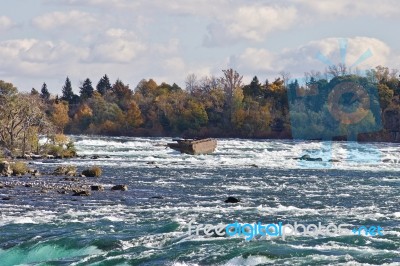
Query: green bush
x,y
19,168
94,171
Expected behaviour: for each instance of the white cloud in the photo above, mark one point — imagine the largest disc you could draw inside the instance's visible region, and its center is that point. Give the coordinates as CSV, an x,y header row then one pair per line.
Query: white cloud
x,y
323,8
304,58
116,46
5,23
72,19
35,57
250,22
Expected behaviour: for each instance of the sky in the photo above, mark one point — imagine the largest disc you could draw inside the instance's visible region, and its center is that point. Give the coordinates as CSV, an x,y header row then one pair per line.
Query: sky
x,y
48,40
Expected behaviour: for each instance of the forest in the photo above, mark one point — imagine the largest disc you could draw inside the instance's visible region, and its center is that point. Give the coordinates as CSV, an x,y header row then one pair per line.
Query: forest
x,y
207,106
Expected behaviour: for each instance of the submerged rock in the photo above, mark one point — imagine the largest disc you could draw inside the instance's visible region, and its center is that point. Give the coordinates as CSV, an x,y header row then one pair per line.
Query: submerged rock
x,y
120,187
81,193
97,188
307,157
232,200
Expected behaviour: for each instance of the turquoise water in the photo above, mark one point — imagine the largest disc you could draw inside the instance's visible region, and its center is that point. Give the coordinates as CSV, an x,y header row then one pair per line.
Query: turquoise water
x,y
148,224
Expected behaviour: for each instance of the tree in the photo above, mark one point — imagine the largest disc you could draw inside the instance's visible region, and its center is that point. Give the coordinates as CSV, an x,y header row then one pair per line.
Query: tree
x,y
34,92
134,117
191,83
104,85
231,81
45,94
59,115
122,94
67,92
86,90
254,89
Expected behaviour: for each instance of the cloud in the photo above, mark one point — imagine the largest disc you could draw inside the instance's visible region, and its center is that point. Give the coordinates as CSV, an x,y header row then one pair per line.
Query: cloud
x,y
116,46
34,57
72,19
250,23
6,23
304,58
341,8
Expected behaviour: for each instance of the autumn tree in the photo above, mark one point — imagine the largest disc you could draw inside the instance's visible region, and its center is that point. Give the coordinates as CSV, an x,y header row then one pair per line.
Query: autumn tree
x,y
133,116
231,81
59,115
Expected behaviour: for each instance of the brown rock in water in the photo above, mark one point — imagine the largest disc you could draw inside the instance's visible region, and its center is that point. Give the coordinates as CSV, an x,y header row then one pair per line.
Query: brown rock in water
x,y
95,171
69,170
97,188
81,193
5,169
120,187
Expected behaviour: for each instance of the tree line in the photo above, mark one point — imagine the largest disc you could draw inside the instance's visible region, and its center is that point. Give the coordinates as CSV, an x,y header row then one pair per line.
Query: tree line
x,y
207,106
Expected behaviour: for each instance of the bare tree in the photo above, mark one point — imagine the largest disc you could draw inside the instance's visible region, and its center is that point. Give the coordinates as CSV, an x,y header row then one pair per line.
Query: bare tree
x,y
191,83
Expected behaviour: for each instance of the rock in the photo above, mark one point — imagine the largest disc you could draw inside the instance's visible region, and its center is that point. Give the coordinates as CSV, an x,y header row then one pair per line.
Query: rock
x,y
120,187
334,161
157,197
19,168
5,169
152,162
97,188
6,198
254,165
107,157
28,185
35,173
81,193
232,200
65,170
95,171
7,153
61,192
95,157
36,156
1,186
307,157
73,179
44,191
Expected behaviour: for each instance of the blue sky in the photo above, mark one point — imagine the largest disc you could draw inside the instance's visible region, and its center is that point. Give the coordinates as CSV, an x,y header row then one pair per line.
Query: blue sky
x,y
46,40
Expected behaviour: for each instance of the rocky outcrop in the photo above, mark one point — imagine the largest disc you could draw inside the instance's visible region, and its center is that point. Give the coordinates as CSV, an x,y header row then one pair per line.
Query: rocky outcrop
x,y
5,169
95,171
69,170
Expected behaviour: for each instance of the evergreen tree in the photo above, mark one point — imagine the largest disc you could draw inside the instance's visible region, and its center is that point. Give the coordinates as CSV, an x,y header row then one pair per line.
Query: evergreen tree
x,y
104,85
34,92
45,94
86,90
67,92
